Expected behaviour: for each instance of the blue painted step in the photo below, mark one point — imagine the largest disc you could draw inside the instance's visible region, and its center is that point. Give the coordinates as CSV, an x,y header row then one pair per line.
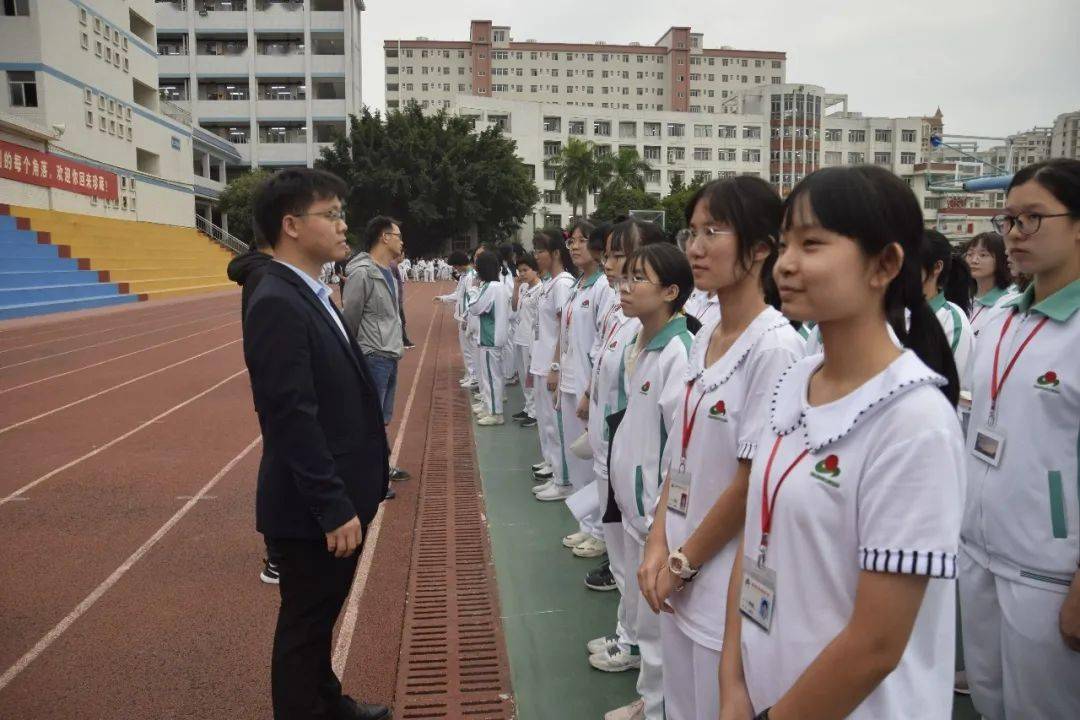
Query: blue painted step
x,y
8,312
26,250
8,222
9,237
20,279
12,296
42,264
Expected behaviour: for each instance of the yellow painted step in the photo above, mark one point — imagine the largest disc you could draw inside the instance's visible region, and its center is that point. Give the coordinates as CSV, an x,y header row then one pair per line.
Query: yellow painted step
x,y
176,292
114,262
172,283
156,273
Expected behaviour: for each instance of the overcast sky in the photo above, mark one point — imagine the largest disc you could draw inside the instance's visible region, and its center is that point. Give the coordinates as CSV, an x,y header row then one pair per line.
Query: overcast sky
x,y
994,66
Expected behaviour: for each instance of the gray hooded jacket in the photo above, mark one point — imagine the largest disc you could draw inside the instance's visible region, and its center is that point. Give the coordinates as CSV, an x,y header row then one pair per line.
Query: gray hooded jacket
x,y
371,310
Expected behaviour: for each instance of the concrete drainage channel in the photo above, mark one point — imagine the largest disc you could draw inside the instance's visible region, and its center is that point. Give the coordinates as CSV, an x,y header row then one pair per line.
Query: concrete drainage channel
x,y
453,654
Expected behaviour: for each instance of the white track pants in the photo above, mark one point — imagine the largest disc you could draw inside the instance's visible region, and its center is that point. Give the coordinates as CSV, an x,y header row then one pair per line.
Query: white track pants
x,y
1017,664
468,352
619,551
491,379
548,425
646,623
522,356
691,688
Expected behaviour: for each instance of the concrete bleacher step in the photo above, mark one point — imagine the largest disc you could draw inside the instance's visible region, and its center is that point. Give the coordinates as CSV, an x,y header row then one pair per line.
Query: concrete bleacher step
x,y
46,293
15,251
169,283
32,278
194,290
8,312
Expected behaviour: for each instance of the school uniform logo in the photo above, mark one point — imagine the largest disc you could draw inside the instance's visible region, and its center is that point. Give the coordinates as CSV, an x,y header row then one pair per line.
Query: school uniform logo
x,y
827,471
718,411
645,388
1048,381
585,304
614,344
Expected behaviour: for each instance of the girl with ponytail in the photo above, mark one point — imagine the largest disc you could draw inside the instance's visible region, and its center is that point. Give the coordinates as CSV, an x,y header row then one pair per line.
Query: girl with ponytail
x,y
841,601
947,286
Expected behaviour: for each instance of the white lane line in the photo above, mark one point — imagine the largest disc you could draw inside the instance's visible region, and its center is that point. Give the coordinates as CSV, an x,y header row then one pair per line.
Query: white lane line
x,y
121,438
99,393
118,357
352,606
99,331
113,341
50,637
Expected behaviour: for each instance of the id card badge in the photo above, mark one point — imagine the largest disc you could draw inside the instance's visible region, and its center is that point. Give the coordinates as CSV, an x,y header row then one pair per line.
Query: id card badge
x,y
536,331
989,446
757,599
963,407
678,499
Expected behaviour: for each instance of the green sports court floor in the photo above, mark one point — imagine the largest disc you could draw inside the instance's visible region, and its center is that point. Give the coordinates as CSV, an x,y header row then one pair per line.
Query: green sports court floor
x,y
548,614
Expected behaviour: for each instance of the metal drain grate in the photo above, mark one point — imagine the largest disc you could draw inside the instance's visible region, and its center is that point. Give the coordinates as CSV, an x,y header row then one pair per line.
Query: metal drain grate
x,y
453,657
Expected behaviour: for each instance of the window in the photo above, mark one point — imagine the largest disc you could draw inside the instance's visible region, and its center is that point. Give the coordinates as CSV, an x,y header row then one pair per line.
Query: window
x,y
676,153
883,158
702,176
652,152
882,135
907,158
652,177
549,173
834,135
652,129
702,131
577,127
602,128
90,118
627,129
751,132
833,159
856,136
676,130
907,135
552,148
703,154
22,87
856,158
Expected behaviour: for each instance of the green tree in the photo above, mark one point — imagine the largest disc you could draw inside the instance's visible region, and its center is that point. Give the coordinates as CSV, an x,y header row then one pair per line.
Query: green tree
x,y
235,201
435,174
617,199
674,204
628,169
579,172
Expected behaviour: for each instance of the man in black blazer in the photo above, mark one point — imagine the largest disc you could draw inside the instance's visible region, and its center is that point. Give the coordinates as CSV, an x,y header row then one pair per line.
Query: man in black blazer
x,y
325,454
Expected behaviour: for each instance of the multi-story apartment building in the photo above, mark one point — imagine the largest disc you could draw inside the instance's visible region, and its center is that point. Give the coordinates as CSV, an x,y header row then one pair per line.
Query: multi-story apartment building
x,y
277,78
1029,147
676,73
82,128
1065,137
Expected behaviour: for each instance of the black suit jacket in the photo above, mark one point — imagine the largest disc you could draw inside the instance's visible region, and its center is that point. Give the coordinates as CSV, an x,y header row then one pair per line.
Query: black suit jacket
x,y
325,453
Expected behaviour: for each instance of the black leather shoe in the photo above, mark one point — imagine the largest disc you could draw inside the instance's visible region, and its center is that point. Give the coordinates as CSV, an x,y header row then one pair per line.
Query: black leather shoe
x,y
349,709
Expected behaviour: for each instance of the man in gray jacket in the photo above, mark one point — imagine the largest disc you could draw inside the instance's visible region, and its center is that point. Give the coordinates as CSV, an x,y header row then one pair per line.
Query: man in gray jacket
x,y
371,311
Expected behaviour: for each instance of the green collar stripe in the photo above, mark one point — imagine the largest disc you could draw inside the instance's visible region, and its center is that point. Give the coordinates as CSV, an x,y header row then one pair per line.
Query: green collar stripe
x,y
937,302
991,297
675,326
1058,307
588,282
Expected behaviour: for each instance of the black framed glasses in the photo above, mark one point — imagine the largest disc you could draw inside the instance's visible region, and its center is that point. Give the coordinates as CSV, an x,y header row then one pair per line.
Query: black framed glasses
x,y
1026,223
331,215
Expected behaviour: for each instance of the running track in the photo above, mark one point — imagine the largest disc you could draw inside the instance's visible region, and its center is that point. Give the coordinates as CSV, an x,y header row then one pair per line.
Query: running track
x,y
129,574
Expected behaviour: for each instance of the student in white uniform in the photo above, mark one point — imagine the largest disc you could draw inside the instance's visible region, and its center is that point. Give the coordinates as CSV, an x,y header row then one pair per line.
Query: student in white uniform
x,y
553,259
525,299
989,264
508,277
463,267
947,285
492,308
1020,545
579,326
721,406
702,304
607,396
654,288
841,602
472,324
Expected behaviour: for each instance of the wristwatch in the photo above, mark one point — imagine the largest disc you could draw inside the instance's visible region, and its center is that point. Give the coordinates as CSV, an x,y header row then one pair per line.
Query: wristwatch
x,y
554,367
679,565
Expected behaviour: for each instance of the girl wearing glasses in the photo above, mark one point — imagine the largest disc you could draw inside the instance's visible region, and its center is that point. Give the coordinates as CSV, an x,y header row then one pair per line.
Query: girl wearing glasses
x,y
1020,544
655,286
721,403
840,602
989,264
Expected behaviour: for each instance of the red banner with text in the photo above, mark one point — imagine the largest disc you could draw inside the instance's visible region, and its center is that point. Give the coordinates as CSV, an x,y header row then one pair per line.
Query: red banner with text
x,y
37,168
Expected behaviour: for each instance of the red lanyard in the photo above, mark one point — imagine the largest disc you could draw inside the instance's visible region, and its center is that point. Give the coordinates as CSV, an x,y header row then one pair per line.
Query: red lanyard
x,y
768,508
995,383
688,421
977,313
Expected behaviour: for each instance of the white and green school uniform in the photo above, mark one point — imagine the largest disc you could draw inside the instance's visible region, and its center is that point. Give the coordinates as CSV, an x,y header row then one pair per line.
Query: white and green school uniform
x,y
460,298
492,310
988,306
522,339
553,296
634,473
958,332
1021,534
872,482
580,323
703,306
721,410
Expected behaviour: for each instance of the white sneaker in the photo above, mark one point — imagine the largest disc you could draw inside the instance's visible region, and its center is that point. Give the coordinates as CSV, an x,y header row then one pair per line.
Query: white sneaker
x,y
574,539
477,406
542,487
633,711
601,644
615,659
541,466
555,492
488,420
590,547
467,382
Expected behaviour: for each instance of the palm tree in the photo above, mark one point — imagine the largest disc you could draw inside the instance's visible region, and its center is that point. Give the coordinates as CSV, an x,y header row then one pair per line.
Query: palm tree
x,y
627,168
578,172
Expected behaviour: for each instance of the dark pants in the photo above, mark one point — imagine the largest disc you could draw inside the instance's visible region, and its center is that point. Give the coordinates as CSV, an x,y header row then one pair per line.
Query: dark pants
x,y
314,586
384,374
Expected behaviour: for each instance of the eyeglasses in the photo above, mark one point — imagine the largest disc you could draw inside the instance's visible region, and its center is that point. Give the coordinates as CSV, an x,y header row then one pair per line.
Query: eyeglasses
x,y
331,215
1026,223
392,234
708,233
977,255
629,283
572,241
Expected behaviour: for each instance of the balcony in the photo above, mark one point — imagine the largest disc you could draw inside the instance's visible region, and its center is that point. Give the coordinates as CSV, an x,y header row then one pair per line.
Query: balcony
x,y
280,153
327,20
281,109
173,66
327,65
223,109
280,17
223,64
171,16
328,109
221,20
279,65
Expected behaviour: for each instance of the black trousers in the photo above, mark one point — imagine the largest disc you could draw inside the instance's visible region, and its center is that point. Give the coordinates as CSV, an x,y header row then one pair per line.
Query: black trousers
x,y
314,586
